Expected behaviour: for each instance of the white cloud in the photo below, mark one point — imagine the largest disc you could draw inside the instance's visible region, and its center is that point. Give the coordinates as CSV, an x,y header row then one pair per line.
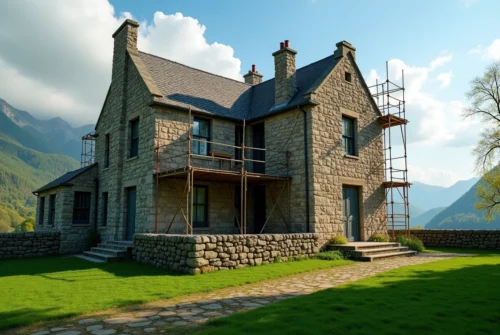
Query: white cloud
x,y
492,52
432,176
476,51
56,55
444,78
440,61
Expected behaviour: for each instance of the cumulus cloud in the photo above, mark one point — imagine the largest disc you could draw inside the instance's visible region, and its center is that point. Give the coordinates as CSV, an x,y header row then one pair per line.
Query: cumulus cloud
x,y
476,51
492,52
432,176
56,55
444,78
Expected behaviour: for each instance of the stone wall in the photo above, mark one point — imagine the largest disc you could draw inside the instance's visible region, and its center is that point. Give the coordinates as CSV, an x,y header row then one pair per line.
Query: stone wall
x,y
480,239
23,245
205,253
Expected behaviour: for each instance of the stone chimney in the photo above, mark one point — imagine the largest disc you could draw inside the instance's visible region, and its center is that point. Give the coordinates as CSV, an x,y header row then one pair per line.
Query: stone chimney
x,y
125,39
343,48
253,77
285,85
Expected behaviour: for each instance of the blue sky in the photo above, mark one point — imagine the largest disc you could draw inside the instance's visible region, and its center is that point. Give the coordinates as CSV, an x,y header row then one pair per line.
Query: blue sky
x,y
60,52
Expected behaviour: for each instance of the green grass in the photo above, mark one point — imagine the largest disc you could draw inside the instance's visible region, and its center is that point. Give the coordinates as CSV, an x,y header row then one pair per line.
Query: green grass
x,y
455,296
58,287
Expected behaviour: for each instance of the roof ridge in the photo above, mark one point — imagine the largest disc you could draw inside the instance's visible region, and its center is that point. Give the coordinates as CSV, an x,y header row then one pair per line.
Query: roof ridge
x,y
193,68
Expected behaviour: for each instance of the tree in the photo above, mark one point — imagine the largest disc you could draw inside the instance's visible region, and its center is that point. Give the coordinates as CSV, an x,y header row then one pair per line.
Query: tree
x,y
484,95
27,225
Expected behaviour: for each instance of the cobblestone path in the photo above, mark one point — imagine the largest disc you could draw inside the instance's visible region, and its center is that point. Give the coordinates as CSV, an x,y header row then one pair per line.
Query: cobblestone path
x,y
159,316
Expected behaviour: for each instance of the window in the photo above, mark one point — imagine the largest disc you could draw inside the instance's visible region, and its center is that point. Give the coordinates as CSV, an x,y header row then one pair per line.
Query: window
x,y
200,206
81,208
237,206
348,135
201,131
106,152
104,208
41,212
348,77
52,209
134,138
238,141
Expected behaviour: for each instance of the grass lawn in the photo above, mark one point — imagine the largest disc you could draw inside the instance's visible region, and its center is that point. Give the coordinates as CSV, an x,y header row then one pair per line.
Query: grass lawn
x,y
455,296
57,287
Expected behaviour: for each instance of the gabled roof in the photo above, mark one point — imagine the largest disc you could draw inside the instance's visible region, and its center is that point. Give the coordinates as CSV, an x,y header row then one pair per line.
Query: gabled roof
x,y
65,179
184,86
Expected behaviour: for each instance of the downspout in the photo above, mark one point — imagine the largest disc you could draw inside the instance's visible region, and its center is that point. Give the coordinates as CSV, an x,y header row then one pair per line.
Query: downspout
x,y
306,164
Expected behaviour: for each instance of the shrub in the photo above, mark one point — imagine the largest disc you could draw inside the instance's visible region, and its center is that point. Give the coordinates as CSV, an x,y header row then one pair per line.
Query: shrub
x,y
339,239
277,259
333,255
377,237
411,242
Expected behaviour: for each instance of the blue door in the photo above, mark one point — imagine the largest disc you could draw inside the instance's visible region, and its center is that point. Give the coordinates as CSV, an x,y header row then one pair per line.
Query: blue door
x,y
130,227
350,212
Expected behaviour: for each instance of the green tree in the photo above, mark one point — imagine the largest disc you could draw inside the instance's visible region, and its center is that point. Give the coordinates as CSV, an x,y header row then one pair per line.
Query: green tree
x,y
27,225
484,96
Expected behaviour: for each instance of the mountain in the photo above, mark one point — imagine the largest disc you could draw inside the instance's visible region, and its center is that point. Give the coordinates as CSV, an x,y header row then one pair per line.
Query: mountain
x,y
48,136
462,215
428,197
425,217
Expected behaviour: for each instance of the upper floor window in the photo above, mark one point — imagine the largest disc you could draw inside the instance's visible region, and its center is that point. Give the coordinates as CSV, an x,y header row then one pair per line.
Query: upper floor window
x,y
200,206
201,131
52,209
41,211
348,133
106,151
134,138
348,77
81,208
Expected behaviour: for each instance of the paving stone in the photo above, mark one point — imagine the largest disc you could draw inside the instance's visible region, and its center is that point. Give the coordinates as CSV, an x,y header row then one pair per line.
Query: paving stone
x,y
124,319
211,306
180,323
57,329
85,321
154,317
149,330
43,332
159,323
167,313
139,324
94,327
104,332
71,332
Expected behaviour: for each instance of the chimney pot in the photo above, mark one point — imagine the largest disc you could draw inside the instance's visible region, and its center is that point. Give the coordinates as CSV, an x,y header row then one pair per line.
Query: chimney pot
x,y
287,43
282,45
253,68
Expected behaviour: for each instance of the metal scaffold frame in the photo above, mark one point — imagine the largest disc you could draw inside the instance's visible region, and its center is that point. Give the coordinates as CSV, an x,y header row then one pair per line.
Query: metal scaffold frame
x,y
240,176
87,156
390,98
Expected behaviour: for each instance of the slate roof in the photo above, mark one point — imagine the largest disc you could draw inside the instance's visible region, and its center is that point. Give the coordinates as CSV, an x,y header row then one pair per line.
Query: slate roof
x,y
65,179
184,86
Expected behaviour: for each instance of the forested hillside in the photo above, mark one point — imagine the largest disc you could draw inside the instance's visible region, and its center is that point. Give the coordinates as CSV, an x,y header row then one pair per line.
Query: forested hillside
x,y
23,170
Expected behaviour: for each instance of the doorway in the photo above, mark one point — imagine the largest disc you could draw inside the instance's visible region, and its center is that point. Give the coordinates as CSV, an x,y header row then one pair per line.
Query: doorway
x,y
350,212
259,207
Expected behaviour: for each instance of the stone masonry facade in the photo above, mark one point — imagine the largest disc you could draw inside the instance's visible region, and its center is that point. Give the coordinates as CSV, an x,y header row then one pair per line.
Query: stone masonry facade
x,y
24,245
206,253
473,239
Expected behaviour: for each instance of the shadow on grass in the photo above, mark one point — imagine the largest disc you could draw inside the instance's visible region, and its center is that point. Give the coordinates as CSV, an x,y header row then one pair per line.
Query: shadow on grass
x,y
459,296
45,266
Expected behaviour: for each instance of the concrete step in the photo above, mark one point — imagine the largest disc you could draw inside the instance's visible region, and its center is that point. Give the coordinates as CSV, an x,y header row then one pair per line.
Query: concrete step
x,y
358,246
372,258
376,251
112,252
90,259
101,256
127,244
116,247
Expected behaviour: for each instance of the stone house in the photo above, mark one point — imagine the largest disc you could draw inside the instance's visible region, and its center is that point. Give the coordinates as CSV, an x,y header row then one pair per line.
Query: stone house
x,y
180,150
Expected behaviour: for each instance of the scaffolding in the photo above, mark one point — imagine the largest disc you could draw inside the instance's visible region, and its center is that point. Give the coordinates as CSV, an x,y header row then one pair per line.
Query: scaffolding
x,y
87,156
390,98
238,172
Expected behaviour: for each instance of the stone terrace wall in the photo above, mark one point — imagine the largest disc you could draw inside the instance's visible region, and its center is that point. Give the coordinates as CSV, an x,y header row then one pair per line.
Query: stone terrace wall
x,y
23,245
482,239
205,253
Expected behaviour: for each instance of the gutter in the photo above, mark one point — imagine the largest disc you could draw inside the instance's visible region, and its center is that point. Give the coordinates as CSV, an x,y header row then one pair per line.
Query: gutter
x,y
306,164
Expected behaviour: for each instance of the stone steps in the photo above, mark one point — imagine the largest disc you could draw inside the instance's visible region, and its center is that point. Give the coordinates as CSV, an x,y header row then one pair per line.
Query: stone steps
x,y
110,251
371,251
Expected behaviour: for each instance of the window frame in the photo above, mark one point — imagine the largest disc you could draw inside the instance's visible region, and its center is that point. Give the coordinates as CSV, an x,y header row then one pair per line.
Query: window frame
x,y
52,210
134,139
348,76
195,205
349,138
105,204
41,213
238,142
82,209
107,141
196,144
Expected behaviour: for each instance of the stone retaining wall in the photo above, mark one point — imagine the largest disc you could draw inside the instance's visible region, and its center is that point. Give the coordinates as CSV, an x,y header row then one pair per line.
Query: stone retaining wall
x,y
23,245
481,239
205,253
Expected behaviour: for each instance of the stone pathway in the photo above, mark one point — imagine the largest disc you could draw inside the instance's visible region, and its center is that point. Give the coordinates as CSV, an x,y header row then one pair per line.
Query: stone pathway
x,y
158,317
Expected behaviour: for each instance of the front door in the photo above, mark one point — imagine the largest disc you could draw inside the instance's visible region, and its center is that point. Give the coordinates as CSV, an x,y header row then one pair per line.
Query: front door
x,y
130,228
350,213
259,207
